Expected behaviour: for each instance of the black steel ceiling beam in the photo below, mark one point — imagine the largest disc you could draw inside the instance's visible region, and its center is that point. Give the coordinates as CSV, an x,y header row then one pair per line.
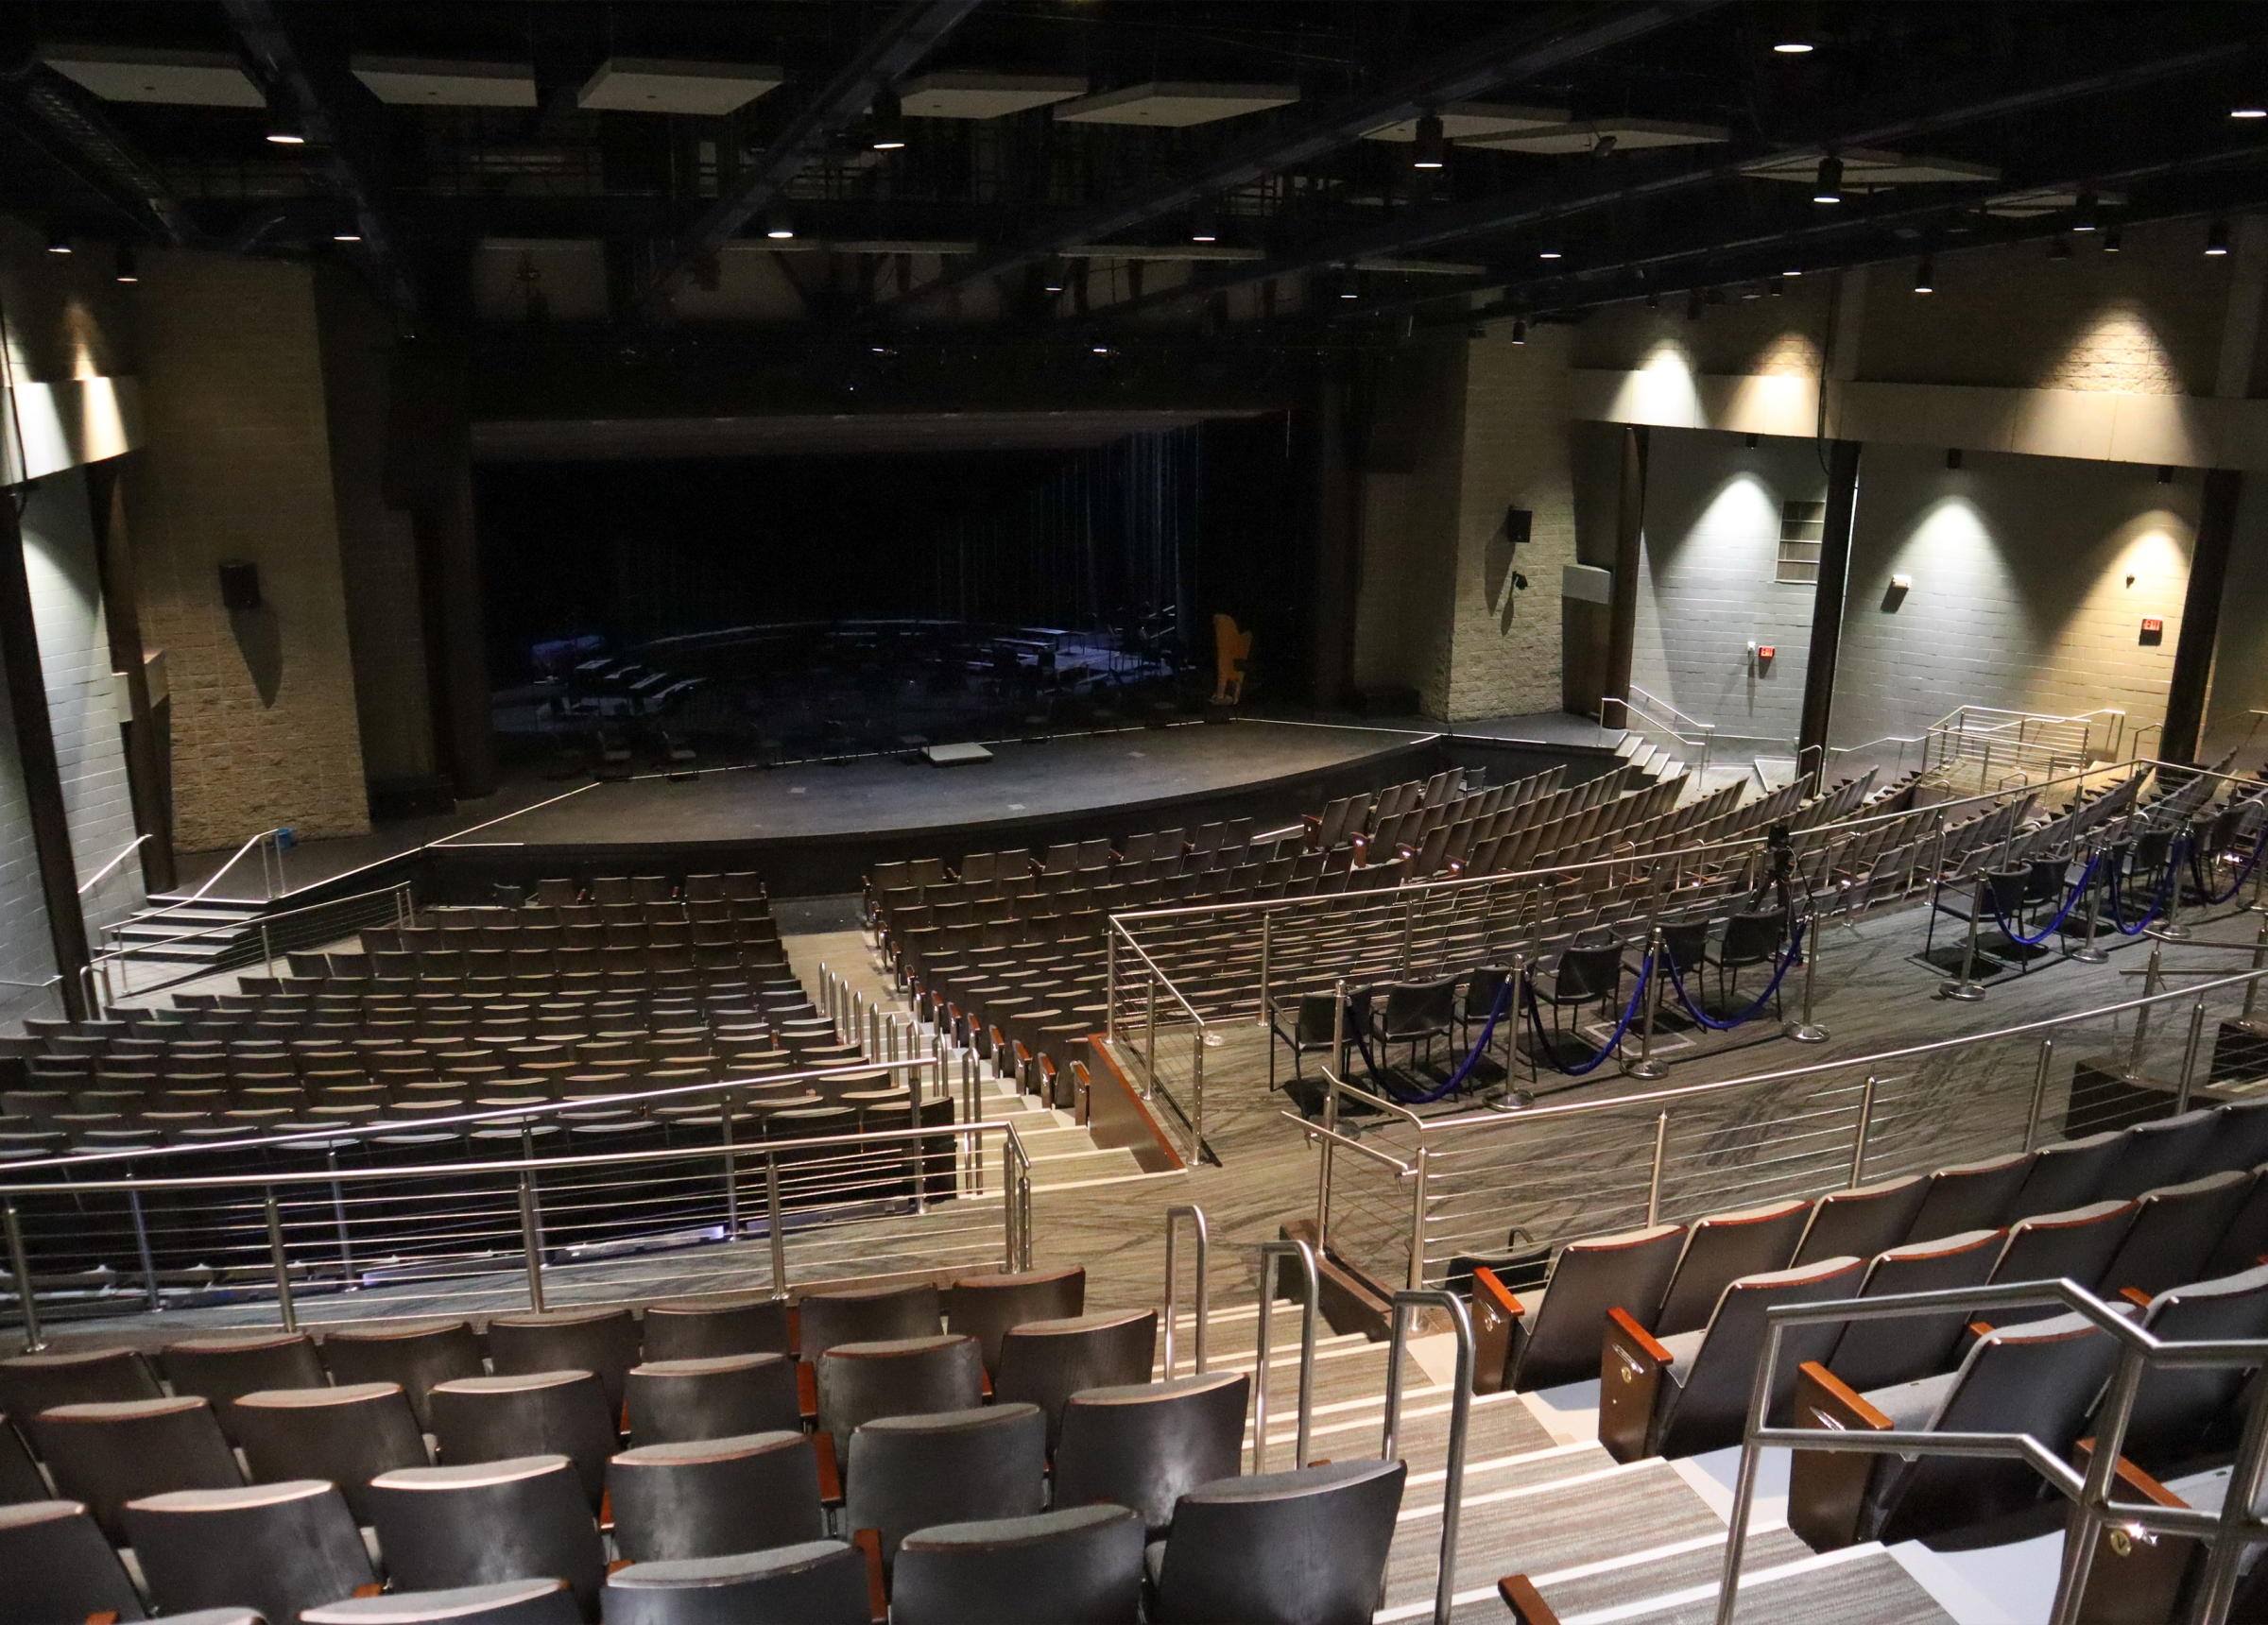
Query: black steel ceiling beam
x,y
1500,212
1518,52
339,114
96,152
894,49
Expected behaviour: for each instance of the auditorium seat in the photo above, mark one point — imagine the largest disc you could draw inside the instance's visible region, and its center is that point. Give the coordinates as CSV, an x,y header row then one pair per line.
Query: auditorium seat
x,y
602,1342
20,1478
1554,1338
541,1414
1077,1566
416,1357
275,1548
484,1522
818,1582
2175,1231
985,1307
1878,1353
1971,1196
348,1435
224,1368
1863,1221
901,1377
2240,1140
110,1452
695,1329
2160,1152
1721,1249
507,1602
1688,1393
2181,1415
1145,1445
1302,1548
2076,1246
30,1383
1045,1362
59,1567
2067,1174
676,1400
714,1496
908,1472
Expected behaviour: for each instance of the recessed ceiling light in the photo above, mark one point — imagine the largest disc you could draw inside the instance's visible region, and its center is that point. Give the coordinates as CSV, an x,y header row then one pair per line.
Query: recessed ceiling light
x,y
2248,111
1792,48
1548,254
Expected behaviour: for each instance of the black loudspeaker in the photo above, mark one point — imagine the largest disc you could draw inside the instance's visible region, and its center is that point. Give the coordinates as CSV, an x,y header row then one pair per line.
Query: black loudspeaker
x,y
239,584
1518,524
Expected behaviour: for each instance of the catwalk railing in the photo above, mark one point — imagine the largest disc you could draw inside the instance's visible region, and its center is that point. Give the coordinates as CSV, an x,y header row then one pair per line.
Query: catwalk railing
x,y
1404,1197
480,1210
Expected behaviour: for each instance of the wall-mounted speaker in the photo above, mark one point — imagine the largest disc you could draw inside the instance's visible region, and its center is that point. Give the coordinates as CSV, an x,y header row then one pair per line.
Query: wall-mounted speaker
x,y
1519,523
239,584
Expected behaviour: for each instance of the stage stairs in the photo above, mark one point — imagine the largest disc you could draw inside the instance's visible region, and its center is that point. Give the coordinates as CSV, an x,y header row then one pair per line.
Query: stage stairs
x,y
161,932
1599,1541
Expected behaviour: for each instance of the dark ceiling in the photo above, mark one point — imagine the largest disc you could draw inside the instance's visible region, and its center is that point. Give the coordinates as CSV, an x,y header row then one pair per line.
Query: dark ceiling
x,y
2117,112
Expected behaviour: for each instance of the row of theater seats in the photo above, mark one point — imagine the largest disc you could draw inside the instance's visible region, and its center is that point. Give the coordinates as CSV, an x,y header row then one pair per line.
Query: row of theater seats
x,y
2170,1216
1023,1466
1029,1014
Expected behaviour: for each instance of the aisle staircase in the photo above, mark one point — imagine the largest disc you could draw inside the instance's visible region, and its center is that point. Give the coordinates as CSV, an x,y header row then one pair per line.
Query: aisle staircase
x,y
161,932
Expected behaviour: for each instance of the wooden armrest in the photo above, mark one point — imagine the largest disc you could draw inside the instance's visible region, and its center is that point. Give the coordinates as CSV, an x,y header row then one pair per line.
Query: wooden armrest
x,y
1827,1489
807,1389
614,1566
985,1381
1527,1602
107,1617
2135,1295
369,1588
794,1329
606,1508
2137,1575
1980,1329
1631,1363
2130,1476
1495,1315
878,1592
830,1475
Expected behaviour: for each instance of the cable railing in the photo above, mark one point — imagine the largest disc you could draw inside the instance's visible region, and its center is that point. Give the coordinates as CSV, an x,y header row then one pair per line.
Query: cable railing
x,y
2096,1507
1164,1038
143,967
268,842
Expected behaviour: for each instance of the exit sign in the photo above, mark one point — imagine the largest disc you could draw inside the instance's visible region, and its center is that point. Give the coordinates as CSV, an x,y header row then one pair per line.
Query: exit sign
x,y
2154,630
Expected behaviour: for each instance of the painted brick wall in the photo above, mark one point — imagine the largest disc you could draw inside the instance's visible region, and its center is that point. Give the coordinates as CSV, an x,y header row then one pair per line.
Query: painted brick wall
x,y
1707,587
1505,645
2031,577
83,701
1787,334
238,466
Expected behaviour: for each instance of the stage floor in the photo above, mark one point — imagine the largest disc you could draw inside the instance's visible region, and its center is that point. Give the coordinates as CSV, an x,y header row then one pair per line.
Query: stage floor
x,y
1022,785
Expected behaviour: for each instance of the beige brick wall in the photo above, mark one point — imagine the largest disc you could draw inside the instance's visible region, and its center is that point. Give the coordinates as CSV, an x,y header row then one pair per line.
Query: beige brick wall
x,y
237,466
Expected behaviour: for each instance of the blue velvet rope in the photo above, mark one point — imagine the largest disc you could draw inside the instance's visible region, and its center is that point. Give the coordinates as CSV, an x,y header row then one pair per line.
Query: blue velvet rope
x,y
1456,1079
2165,888
2216,900
1544,1046
1694,1010
2062,913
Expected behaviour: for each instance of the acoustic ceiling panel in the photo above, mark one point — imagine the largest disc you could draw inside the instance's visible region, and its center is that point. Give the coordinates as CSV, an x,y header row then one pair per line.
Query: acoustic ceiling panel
x,y
1176,105
1471,121
1863,166
648,84
1583,135
986,95
419,81
136,74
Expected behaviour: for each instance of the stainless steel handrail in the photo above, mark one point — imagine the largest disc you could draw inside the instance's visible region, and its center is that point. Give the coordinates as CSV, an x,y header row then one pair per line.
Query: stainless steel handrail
x,y
2094,1505
1269,1253
212,880
252,923
104,873
1460,1421
1195,1215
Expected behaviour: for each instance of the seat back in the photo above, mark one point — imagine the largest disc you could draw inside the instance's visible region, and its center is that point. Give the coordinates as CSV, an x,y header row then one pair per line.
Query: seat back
x,y
1303,1548
1077,1566
1971,1196
508,1602
2076,1245
1317,1021
602,1342
1045,1362
702,1498
109,1453
2246,1237
2175,1230
2037,1379
221,1369
1710,1407
1878,1353
30,1383
671,1401
1145,1445
273,1547
481,1523
59,1567
541,1414
2176,1410
880,1315
704,1331
20,1478
817,1582
1863,1221
416,1357
1721,1249
1586,973
1629,1272
901,1377
1751,938
905,1473
347,1435
2066,1175
2160,1152
2241,1140
985,1307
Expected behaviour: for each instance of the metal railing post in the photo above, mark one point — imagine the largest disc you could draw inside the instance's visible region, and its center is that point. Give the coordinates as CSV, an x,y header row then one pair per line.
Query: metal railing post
x,y
282,1266
1174,1216
2189,1057
20,1266
775,1228
1408,926
1267,921
1804,1029
1149,1039
150,1264
2040,1093
2141,1017
531,1247
1269,1253
268,951
1661,1149
1110,979
1460,1423
2259,961
1858,1149
1966,990
731,1168
1197,1097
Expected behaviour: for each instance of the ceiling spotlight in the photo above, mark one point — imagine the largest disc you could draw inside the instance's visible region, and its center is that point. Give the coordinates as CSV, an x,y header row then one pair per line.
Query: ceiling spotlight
x,y
779,228
1830,189
2059,247
2113,240
1792,48
126,272
347,234
1433,147
2216,239
1099,348
1201,227
1549,253
2248,110
2085,206
1605,145
1520,333
889,123
57,243
1793,271
1924,281
1349,286
1053,280
284,126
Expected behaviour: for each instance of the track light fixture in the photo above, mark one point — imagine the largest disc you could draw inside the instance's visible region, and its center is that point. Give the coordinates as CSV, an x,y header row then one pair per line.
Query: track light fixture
x,y
889,123
2113,240
125,271
1202,227
1432,146
2249,109
778,225
1925,281
284,126
2216,239
1829,187
1554,252
1053,280
2086,211
1520,333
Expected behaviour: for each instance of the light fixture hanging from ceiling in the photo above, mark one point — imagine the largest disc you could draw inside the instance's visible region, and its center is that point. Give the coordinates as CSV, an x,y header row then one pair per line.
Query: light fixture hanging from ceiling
x,y
2216,239
57,243
285,126
126,272
1829,186
1520,333
2086,209
778,225
2113,240
1925,279
1431,150
1792,48
889,123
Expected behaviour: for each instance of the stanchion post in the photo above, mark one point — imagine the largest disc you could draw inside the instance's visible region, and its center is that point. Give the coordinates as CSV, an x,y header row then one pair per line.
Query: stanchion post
x,y
1805,1030
20,1266
1646,1067
282,1265
2171,929
2089,953
1965,989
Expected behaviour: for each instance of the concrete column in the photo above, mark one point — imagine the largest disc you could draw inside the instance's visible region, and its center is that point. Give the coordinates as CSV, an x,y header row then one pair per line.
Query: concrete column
x,y
42,773
1827,606
1621,614
144,736
1336,493
2201,616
